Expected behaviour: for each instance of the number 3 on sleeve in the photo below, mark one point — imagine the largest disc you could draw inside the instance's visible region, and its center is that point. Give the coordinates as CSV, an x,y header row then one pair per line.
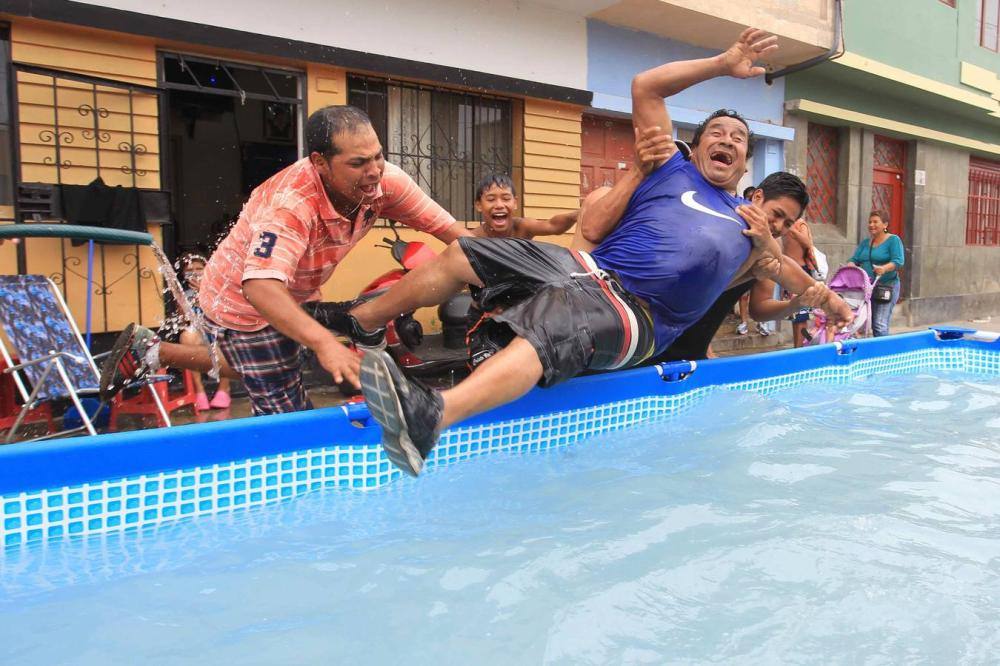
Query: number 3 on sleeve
x,y
267,241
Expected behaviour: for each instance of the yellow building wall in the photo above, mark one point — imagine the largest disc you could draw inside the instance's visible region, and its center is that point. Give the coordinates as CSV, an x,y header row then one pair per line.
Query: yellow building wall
x,y
8,250
131,286
325,86
548,162
552,133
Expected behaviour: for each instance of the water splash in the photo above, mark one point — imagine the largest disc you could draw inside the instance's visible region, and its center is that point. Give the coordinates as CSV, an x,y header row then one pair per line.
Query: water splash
x,y
192,315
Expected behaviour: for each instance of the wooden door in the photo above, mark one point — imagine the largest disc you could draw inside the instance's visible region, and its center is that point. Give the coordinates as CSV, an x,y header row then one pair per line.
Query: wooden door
x,y
607,148
887,195
887,180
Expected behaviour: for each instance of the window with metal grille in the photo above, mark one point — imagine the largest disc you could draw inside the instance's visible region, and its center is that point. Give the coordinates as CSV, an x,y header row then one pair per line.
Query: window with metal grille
x,y
821,173
446,140
988,24
889,153
208,75
983,218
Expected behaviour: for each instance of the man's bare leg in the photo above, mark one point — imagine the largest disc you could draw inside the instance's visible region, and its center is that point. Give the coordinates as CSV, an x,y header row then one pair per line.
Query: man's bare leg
x,y
798,330
190,337
504,377
744,307
137,350
193,357
430,284
412,415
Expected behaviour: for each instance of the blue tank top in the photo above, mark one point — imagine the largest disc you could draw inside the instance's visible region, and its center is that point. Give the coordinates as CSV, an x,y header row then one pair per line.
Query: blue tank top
x,y
677,246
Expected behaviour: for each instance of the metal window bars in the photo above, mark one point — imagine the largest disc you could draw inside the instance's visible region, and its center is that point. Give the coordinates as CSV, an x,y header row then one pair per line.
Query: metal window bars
x,y
983,216
243,81
821,173
446,140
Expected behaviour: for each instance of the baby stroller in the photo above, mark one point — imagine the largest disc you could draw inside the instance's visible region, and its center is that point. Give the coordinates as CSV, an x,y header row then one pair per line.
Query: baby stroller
x,y
851,283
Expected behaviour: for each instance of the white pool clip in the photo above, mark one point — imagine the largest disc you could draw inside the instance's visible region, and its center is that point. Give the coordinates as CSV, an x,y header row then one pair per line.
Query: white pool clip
x,y
983,336
676,370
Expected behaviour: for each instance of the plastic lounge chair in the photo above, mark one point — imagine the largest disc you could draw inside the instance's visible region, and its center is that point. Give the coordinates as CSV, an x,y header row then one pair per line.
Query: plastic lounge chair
x,y
53,361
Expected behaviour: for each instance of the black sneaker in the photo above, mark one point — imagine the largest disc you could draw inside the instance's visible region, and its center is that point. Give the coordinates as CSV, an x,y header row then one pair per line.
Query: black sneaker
x,y
408,411
337,317
126,362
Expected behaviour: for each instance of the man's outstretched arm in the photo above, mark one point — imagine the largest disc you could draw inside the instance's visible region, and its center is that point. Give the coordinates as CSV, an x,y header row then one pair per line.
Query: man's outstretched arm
x,y
650,88
767,261
765,307
766,251
407,203
801,234
604,207
275,304
555,225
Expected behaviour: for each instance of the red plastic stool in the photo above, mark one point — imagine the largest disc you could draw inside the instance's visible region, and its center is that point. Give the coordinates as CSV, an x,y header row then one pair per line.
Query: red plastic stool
x,y
143,403
10,407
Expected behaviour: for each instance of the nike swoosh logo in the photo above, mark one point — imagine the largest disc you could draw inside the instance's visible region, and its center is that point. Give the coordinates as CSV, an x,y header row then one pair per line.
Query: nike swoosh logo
x,y
688,200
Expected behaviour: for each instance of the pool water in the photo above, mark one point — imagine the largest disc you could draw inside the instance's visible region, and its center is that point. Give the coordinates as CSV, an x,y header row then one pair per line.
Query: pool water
x,y
824,524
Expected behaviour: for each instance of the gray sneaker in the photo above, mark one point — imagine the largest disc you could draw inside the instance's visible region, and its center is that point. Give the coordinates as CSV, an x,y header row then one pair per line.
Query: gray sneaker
x,y
126,363
408,411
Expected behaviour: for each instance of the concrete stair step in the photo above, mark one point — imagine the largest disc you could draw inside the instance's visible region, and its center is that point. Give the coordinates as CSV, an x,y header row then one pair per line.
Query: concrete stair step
x,y
739,343
728,341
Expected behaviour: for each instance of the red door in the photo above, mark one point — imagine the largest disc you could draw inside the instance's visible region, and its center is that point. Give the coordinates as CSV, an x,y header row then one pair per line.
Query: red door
x,y
887,181
607,147
888,177
887,195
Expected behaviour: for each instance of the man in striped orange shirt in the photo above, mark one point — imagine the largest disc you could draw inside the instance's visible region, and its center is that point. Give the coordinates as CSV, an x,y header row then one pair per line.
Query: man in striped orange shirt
x,y
292,233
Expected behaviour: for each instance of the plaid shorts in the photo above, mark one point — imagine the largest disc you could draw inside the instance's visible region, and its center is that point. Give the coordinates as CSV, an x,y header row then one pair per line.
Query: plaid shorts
x,y
270,364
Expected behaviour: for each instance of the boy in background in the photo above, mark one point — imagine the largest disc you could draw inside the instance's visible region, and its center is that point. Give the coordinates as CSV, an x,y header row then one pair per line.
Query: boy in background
x,y
496,203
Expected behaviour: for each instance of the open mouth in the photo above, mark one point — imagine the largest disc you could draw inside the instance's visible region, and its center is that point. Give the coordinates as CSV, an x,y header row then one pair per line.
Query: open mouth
x,y
499,217
721,157
368,191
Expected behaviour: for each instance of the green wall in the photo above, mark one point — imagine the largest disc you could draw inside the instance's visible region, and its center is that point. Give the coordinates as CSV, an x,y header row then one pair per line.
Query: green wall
x,y
926,37
969,49
867,94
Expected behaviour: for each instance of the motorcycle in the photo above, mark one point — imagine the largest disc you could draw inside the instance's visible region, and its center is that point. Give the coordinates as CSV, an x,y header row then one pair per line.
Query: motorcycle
x,y
404,335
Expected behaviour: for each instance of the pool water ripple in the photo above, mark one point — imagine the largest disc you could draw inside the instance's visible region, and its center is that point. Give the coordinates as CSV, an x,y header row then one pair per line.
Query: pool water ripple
x,y
822,524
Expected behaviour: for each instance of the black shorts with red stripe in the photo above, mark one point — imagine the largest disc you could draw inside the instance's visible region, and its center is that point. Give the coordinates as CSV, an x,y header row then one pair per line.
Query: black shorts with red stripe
x,y
576,316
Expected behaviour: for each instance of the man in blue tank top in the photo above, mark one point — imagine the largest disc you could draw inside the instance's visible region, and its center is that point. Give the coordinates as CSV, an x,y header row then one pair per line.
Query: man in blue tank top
x,y
683,238
699,250
779,195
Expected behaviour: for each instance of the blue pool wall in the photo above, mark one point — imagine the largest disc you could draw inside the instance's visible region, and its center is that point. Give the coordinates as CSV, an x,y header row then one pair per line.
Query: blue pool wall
x,y
40,465
136,479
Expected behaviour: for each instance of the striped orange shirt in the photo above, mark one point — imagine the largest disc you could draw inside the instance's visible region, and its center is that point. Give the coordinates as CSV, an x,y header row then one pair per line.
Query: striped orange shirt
x,y
289,231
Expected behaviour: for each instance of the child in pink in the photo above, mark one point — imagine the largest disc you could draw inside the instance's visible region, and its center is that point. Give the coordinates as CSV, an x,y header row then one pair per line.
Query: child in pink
x,y
192,267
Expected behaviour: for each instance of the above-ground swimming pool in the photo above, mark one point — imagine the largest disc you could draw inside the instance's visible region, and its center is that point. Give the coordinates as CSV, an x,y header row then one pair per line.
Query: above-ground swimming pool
x,y
834,504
